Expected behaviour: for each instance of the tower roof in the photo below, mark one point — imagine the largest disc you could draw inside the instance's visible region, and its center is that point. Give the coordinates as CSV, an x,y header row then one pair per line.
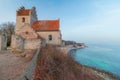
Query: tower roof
x,y
46,25
24,12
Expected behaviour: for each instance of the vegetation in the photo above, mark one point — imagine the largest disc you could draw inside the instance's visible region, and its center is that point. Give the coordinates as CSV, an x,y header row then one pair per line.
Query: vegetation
x,y
73,43
52,64
8,29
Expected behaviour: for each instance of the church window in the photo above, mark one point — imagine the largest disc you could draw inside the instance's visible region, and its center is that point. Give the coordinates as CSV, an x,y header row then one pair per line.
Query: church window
x,y
50,37
23,19
26,32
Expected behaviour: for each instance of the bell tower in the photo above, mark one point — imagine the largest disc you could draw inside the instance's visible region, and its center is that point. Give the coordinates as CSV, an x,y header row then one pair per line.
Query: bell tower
x,y
24,16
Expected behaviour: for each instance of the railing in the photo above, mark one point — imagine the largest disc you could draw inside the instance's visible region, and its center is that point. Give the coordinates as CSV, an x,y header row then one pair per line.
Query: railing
x,y
29,73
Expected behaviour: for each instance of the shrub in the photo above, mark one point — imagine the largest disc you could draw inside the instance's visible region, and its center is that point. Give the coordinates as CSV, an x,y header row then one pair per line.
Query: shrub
x,y
53,64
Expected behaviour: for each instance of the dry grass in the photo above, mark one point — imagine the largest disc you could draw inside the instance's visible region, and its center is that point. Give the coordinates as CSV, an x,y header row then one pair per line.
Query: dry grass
x,y
53,64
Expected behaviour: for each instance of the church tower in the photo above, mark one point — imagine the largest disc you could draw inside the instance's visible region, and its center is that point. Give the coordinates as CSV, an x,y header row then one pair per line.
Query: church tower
x,y
24,16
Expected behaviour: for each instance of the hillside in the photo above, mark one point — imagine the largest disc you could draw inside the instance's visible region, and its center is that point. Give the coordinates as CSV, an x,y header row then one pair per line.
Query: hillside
x,y
52,64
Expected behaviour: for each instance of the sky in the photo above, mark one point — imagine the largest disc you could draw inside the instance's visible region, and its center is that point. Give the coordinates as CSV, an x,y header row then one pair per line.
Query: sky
x,y
80,20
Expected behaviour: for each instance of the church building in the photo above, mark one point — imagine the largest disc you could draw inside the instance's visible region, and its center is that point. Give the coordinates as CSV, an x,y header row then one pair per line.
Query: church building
x,y
31,33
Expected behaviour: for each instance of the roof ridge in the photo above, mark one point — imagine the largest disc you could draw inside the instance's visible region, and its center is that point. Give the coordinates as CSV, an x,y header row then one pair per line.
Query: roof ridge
x,y
46,25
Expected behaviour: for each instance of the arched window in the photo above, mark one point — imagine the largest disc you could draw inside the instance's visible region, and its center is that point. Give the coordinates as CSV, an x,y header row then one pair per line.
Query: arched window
x,y
50,37
23,19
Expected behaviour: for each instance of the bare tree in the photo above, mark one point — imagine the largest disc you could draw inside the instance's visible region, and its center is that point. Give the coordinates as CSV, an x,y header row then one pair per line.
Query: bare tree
x,y
7,28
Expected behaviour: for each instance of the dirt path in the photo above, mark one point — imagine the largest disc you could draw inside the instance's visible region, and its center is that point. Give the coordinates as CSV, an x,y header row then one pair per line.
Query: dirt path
x,y
11,66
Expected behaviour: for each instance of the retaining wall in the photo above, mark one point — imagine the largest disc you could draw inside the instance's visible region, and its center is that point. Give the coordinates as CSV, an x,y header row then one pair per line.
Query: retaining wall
x,y
29,73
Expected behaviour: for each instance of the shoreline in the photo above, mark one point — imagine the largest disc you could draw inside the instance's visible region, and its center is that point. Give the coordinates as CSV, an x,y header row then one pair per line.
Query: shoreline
x,y
67,48
105,74
102,73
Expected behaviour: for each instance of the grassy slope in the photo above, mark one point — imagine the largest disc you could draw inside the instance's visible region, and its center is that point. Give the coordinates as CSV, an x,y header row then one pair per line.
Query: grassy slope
x,y
52,64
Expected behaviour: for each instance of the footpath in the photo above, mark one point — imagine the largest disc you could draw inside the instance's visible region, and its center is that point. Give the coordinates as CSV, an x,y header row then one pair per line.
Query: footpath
x,y
12,67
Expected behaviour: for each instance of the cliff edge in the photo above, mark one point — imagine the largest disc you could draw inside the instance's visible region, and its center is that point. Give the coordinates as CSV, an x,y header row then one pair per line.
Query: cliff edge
x,y
53,64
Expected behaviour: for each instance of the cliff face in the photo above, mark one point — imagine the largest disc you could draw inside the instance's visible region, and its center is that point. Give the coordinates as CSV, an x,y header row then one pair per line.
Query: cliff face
x,y
52,64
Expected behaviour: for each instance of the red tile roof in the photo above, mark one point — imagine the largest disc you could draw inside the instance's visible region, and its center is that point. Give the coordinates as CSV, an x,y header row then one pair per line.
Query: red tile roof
x,y
23,12
46,25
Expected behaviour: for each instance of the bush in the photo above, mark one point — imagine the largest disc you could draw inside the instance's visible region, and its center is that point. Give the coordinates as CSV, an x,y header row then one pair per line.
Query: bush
x,y
53,64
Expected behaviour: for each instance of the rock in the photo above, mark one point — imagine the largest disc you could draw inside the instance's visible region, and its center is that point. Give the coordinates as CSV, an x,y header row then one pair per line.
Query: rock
x,y
29,56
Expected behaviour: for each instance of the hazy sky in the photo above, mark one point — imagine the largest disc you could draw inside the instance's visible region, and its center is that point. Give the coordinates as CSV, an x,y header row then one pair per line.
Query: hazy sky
x,y
81,20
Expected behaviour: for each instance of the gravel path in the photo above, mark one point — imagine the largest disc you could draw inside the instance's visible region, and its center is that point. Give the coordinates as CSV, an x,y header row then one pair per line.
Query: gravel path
x,y
12,67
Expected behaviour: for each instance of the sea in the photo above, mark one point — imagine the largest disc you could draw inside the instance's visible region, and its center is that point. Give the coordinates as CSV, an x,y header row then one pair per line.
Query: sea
x,y
101,56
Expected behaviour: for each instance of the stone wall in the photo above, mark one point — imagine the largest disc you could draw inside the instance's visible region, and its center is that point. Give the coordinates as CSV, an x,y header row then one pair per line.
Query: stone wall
x,y
19,23
32,43
56,37
29,73
27,32
33,15
17,43
3,42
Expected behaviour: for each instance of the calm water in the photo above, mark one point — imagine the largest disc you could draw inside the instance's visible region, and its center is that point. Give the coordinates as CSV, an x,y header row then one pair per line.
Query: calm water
x,y
104,57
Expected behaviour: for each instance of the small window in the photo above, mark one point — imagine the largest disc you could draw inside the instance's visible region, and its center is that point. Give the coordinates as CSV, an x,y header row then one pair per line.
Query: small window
x,y
50,37
26,32
23,19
